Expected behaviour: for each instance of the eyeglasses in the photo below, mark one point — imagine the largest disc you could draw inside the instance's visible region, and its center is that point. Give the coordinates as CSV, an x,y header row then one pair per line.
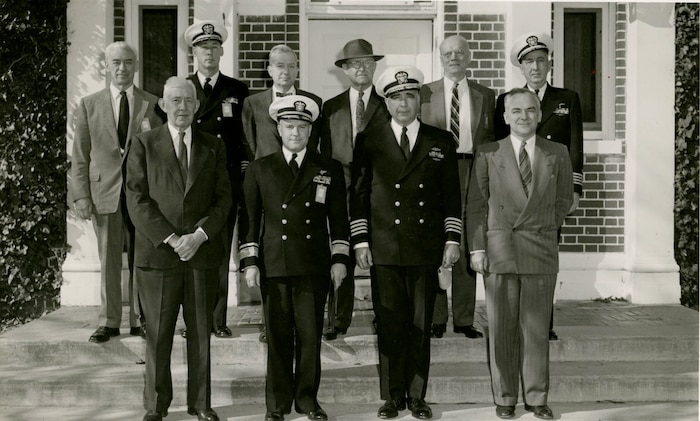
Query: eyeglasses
x,y
356,64
458,53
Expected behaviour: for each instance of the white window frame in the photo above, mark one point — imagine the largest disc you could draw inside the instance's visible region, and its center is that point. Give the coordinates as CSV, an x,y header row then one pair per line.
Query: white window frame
x,y
132,30
596,141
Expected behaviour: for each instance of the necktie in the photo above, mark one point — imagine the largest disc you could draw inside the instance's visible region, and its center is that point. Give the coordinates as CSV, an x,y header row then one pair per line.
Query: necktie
x,y
182,157
525,169
280,94
537,92
294,165
123,124
360,112
405,145
207,86
454,113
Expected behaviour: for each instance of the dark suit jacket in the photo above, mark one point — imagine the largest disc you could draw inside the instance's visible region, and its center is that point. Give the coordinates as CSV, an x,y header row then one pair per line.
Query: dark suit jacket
x,y
210,118
519,232
481,98
298,226
402,208
336,126
260,130
561,122
159,204
96,171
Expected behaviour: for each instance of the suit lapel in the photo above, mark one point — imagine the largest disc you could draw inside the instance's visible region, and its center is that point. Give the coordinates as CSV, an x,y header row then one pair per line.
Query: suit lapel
x,y
308,168
199,156
373,105
420,150
548,104
345,115
140,107
439,98
476,101
541,172
510,172
106,114
166,150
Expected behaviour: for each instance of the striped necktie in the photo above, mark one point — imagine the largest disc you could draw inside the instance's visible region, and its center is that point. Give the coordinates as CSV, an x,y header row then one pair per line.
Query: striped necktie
x,y
454,113
525,168
360,112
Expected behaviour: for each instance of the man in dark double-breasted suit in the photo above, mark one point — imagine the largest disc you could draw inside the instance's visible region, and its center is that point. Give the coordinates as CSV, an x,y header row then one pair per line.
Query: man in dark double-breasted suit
x,y
344,116
221,101
294,231
405,224
179,197
520,193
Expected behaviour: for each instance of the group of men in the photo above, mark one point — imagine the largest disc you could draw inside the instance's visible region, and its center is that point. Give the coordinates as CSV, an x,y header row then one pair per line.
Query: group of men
x,y
381,176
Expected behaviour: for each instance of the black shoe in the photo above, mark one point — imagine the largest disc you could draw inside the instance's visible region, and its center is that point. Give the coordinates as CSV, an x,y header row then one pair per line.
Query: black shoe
x,y
469,332
391,408
330,335
274,416
553,335
437,330
540,411
263,335
505,412
203,414
223,332
419,409
317,414
103,333
183,333
155,416
374,326
138,331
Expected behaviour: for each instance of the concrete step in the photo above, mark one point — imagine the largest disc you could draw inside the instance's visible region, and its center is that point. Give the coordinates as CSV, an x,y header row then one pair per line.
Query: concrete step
x,y
105,385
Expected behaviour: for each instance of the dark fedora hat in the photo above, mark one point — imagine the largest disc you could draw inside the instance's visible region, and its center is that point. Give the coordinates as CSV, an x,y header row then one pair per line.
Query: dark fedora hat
x,y
357,48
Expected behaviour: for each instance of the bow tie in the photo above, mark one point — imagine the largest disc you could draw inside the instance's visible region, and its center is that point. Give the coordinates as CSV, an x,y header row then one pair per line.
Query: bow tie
x,y
280,94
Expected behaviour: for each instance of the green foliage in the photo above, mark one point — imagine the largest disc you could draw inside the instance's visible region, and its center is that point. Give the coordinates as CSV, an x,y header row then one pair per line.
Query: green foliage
x,y
32,157
686,182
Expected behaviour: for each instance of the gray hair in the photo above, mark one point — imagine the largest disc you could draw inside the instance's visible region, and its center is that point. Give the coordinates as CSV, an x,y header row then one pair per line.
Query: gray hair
x,y
281,49
178,82
120,45
520,91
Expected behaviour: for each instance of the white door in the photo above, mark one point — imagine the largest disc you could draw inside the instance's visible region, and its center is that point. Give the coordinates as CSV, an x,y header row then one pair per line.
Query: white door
x,y
401,42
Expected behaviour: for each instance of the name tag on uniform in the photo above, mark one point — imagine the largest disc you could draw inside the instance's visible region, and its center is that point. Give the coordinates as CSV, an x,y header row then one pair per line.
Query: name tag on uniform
x,y
321,193
145,125
226,109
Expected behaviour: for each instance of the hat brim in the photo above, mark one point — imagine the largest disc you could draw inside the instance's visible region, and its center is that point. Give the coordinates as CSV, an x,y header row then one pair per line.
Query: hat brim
x,y
339,63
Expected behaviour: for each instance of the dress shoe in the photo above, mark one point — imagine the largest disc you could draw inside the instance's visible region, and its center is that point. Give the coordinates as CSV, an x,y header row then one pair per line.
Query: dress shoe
x,y
374,326
419,409
103,333
540,411
183,333
274,416
505,412
330,335
203,414
469,332
391,408
437,330
223,332
317,414
263,335
138,331
155,416
553,335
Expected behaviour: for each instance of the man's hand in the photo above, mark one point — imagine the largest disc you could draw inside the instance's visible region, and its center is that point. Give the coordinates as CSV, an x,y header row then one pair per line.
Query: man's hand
x,y
450,255
252,276
363,256
574,203
188,245
479,261
338,273
83,208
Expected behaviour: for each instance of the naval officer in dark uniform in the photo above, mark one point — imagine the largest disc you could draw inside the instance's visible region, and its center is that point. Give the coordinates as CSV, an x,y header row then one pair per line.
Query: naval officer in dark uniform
x,y
298,199
221,98
405,223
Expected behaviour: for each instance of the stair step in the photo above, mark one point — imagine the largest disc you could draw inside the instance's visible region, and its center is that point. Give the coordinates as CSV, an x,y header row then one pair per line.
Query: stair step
x,y
102,385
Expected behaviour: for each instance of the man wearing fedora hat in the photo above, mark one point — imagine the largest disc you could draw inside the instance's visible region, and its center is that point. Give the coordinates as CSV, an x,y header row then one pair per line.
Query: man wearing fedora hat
x,y
221,100
299,197
561,122
342,118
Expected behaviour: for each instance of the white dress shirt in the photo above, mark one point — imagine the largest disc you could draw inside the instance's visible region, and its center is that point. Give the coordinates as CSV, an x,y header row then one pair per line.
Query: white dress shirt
x,y
203,79
411,132
529,147
466,144
115,95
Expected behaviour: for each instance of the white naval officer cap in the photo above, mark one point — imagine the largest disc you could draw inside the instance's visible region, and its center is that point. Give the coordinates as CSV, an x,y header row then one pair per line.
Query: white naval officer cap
x,y
205,30
399,78
294,107
527,43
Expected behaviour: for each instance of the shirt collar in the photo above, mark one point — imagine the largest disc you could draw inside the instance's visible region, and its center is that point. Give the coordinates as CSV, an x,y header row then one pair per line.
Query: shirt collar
x,y
174,133
203,79
411,129
542,90
449,84
291,91
116,91
288,155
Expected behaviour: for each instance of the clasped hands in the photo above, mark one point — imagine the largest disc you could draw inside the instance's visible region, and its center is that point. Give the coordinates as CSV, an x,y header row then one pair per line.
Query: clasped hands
x,y
186,246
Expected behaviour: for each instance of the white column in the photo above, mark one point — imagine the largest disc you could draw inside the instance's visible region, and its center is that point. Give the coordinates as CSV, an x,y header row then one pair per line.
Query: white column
x,y
650,274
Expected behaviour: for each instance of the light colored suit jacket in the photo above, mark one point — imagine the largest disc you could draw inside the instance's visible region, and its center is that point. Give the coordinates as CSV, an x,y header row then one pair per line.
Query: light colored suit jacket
x,y
160,203
519,232
481,98
96,171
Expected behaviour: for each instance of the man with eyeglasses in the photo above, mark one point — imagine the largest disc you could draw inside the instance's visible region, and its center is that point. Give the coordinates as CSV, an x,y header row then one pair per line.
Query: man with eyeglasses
x,y
342,118
465,109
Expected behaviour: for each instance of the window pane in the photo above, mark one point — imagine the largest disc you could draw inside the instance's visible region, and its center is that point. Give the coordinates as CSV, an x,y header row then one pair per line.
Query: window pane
x,y
581,62
158,47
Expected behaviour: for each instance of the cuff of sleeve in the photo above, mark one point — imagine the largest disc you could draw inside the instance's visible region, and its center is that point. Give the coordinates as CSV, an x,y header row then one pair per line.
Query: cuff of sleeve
x,y
452,242
206,237
363,244
341,258
168,238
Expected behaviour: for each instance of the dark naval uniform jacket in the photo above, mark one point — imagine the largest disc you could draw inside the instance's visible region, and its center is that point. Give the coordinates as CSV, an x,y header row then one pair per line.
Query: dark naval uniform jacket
x,y
406,210
304,218
562,122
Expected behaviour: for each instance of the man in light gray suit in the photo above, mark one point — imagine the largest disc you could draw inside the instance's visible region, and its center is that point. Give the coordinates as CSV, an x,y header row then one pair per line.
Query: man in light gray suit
x,y
464,108
106,120
520,193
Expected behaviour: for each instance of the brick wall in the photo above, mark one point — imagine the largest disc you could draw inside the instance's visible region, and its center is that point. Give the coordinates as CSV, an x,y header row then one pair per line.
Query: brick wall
x,y
257,35
486,36
118,20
